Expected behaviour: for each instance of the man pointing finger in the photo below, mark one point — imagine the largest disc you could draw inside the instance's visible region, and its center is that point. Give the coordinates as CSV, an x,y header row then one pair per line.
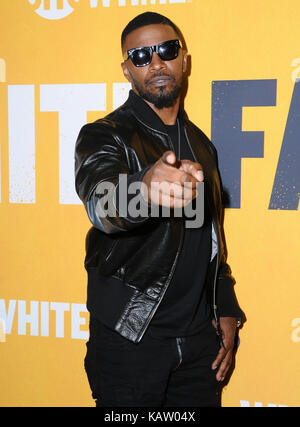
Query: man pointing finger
x,y
156,284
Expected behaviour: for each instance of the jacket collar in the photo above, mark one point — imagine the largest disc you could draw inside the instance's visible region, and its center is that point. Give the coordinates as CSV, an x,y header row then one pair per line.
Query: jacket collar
x,y
147,115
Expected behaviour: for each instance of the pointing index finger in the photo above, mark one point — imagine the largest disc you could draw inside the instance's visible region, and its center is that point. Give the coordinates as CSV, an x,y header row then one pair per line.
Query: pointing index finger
x,y
193,169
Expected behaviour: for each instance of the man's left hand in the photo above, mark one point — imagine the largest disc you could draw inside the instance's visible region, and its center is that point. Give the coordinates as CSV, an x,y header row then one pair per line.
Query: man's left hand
x,y
224,358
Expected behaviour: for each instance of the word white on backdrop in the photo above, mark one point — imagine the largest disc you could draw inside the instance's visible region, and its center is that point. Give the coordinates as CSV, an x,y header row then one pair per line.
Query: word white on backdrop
x,y
58,9
72,102
35,318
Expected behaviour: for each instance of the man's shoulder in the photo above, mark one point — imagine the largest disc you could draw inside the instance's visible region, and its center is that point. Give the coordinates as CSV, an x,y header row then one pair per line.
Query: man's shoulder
x,y
118,123
194,128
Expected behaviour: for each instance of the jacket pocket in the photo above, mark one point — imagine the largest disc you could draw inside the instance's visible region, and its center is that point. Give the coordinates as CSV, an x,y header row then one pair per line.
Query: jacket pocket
x,y
109,262
110,252
120,251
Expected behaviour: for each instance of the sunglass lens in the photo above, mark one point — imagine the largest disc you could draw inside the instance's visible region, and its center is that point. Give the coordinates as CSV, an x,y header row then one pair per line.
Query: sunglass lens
x,y
141,57
168,51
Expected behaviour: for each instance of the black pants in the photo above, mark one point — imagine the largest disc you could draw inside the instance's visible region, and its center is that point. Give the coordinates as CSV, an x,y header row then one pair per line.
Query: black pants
x,y
154,372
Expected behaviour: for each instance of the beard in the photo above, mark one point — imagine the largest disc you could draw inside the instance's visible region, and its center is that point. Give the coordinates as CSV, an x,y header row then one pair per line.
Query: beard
x,y
161,97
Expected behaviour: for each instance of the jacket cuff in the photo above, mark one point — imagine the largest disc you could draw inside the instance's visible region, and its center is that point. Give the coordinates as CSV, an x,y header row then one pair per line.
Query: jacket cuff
x,y
128,200
226,299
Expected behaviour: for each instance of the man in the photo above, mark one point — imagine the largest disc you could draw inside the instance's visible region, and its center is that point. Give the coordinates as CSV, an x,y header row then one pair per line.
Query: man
x,y
163,314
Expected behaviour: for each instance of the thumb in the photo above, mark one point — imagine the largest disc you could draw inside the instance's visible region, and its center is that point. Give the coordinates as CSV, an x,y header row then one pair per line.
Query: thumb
x,y
169,158
215,326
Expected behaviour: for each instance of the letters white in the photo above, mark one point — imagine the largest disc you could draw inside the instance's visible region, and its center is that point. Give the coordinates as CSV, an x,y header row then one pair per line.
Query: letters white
x,y
246,404
44,319
76,333
49,9
32,318
21,132
296,331
2,331
60,308
36,315
123,3
120,93
72,103
9,316
295,73
52,12
2,70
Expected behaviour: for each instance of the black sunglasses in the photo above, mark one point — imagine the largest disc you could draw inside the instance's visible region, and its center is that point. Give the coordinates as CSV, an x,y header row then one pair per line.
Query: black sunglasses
x,y
142,56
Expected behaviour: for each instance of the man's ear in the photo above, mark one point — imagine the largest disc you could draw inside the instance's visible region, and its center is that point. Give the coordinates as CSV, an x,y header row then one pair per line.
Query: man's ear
x,y
184,60
126,72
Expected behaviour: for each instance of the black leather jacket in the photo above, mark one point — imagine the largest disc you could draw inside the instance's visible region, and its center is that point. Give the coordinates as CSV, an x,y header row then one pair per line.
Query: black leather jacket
x,y
130,261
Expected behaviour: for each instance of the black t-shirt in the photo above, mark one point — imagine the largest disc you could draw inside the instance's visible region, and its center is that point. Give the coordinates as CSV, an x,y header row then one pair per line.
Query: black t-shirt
x,y
184,310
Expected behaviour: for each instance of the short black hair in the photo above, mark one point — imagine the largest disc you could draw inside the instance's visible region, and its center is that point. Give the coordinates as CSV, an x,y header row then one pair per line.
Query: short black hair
x,y
147,18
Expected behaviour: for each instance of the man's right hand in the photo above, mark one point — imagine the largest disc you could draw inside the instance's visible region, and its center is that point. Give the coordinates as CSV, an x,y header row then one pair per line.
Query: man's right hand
x,y
171,182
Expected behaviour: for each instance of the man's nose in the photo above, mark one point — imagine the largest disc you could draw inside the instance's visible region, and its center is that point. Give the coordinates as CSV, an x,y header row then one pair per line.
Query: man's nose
x,y
157,63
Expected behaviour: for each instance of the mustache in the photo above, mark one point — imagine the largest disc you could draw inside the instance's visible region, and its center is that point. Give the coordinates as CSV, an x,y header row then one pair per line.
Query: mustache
x,y
155,76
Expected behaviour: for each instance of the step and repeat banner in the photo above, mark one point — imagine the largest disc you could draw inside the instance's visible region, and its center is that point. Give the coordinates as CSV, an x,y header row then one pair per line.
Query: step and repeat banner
x,y
59,69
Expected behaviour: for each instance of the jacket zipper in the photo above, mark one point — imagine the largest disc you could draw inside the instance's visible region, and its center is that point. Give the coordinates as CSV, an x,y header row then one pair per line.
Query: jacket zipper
x,y
187,138
166,286
111,250
217,264
178,342
177,254
215,278
179,250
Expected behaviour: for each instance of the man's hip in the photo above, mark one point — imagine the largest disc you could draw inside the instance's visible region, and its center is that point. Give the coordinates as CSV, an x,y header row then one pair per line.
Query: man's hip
x,y
154,372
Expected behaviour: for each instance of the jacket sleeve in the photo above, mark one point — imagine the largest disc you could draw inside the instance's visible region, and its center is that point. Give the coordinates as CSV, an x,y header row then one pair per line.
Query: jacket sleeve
x,y
226,299
101,161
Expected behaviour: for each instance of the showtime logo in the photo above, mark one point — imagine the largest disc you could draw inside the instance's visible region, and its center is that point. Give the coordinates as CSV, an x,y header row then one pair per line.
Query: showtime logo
x,y
58,9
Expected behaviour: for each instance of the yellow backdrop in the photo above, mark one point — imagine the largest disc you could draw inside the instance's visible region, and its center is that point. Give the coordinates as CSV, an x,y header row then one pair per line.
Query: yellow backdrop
x,y
60,68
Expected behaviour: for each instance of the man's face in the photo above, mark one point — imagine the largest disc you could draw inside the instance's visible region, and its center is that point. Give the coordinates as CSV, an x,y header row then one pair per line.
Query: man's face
x,y
160,82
